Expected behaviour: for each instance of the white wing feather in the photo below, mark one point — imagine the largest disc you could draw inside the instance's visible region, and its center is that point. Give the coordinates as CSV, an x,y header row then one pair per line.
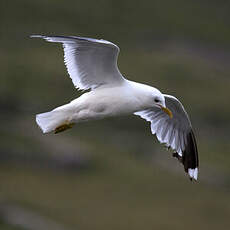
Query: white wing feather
x,y
90,62
175,132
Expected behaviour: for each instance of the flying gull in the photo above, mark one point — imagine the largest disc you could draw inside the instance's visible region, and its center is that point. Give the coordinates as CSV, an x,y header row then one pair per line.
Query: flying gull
x,y
92,66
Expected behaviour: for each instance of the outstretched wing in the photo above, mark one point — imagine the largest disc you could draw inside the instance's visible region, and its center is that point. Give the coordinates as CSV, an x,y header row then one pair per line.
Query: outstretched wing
x,y
175,133
90,62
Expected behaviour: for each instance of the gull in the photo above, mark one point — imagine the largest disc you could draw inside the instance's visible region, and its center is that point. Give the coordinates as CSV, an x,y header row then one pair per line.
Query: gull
x,y
92,66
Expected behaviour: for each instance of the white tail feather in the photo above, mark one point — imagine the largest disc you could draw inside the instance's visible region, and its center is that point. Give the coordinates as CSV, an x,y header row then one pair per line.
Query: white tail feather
x,y
49,121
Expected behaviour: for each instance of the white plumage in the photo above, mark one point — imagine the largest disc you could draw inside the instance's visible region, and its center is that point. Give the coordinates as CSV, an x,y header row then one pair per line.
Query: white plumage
x,y
92,64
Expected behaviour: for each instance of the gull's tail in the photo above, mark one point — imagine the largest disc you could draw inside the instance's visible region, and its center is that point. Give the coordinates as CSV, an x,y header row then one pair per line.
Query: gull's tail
x,y
55,120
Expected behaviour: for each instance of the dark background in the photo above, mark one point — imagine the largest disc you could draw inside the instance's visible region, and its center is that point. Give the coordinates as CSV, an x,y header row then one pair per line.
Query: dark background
x,y
113,174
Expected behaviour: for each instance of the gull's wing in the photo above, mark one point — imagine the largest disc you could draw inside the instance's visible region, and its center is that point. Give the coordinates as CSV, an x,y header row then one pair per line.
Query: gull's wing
x,y
176,133
90,62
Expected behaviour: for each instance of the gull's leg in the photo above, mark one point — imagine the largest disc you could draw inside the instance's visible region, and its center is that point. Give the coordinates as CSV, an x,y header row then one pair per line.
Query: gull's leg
x,y
63,127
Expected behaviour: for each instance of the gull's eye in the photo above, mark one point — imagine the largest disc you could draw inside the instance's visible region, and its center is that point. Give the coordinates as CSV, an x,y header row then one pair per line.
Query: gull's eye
x,y
156,100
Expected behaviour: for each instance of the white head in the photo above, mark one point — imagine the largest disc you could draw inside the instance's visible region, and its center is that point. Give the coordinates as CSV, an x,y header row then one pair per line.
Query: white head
x,y
159,101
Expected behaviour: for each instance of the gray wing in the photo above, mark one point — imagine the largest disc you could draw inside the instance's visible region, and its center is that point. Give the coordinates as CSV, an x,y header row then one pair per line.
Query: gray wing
x,y
175,133
90,62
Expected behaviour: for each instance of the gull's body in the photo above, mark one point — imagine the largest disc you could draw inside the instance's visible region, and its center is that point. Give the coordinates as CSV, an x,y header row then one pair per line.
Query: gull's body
x,y
92,64
123,99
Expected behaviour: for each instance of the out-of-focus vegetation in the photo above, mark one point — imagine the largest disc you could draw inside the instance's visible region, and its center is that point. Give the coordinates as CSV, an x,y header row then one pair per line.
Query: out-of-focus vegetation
x,y
113,174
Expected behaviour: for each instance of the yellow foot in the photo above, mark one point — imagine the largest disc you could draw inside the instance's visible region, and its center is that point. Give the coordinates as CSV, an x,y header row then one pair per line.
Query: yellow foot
x,y
63,127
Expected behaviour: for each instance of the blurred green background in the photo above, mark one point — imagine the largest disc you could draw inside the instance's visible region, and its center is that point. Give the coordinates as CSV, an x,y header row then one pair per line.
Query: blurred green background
x,y
113,174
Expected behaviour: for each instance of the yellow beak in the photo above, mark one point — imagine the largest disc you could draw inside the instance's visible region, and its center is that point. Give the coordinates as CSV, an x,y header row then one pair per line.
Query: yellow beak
x,y
168,111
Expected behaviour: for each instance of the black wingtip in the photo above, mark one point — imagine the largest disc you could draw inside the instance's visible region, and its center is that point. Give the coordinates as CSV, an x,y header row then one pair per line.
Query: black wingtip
x,y
189,156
